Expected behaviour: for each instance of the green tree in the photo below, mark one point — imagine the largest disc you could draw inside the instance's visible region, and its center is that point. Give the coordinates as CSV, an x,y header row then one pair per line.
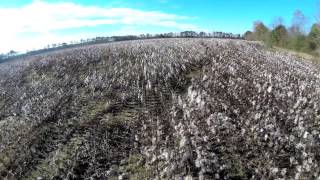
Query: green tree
x,y
261,32
297,36
313,39
315,32
298,42
279,36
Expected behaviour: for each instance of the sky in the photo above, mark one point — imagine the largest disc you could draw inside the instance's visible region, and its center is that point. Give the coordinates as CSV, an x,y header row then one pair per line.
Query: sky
x,y
33,24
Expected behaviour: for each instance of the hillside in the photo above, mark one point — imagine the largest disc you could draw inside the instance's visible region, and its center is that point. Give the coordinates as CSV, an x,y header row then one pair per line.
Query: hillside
x,y
160,109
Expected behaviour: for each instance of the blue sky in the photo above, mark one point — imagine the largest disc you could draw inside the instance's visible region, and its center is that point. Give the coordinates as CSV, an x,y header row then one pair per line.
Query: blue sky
x,y
31,24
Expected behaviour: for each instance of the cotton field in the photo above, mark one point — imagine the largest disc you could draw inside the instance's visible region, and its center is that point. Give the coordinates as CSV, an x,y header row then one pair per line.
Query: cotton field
x,y
160,109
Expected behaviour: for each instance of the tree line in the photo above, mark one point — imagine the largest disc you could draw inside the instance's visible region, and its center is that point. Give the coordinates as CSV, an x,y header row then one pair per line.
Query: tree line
x,y
294,37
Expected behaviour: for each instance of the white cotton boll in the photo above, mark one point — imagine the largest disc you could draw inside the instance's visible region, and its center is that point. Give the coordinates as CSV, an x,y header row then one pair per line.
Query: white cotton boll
x,y
291,138
284,171
149,84
205,138
269,89
183,141
257,116
305,135
165,155
303,87
198,162
243,131
198,99
290,93
180,101
191,94
292,159
189,177
274,170
205,77
299,146
304,154
299,168
209,121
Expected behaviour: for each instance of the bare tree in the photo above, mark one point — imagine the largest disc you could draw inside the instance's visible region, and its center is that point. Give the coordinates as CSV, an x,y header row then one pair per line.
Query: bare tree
x,y
277,22
299,21
318,15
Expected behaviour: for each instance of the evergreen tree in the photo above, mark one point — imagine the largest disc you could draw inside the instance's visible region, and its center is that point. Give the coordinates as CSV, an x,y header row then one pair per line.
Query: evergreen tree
x,y
279,36
315,33
313,40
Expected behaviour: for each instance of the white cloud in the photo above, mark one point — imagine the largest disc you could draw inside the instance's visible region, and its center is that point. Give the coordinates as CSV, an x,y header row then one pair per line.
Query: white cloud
x,y
43,18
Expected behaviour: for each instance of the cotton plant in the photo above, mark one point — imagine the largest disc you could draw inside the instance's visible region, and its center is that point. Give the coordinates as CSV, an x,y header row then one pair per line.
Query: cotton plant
x,y
160,109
